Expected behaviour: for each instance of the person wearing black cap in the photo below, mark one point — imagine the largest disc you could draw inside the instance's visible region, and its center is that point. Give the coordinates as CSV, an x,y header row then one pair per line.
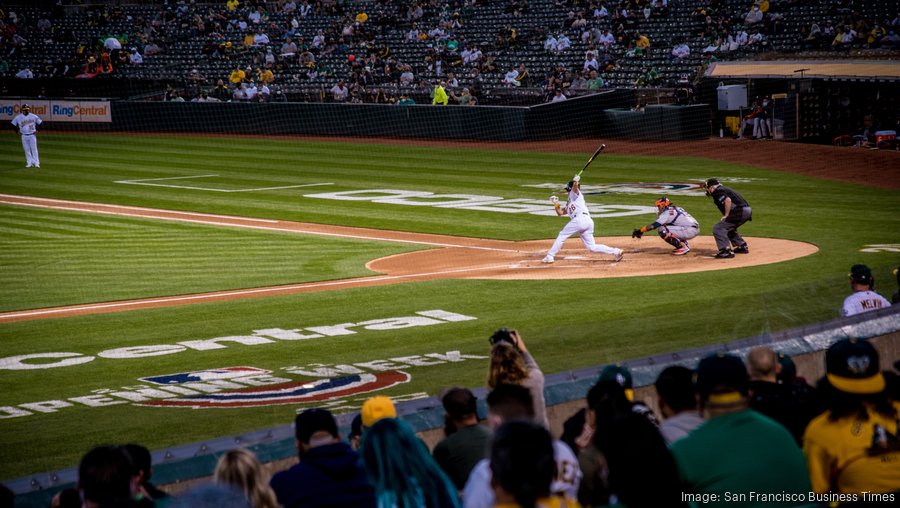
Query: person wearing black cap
x,y
735,212
853,446
737,450
329,473
863,299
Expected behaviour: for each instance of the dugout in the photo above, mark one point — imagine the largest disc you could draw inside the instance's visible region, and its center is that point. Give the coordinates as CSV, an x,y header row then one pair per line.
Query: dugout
x,y
813,100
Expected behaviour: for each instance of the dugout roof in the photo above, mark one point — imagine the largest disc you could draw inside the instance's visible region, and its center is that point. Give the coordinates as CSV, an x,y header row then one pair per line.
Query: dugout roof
x,y
848,70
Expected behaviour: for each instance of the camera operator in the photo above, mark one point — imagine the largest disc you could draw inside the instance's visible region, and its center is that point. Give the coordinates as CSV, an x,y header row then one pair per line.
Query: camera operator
x,y
511,363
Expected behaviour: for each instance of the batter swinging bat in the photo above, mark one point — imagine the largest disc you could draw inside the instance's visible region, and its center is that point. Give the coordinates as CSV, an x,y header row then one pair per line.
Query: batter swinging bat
x,y
592,159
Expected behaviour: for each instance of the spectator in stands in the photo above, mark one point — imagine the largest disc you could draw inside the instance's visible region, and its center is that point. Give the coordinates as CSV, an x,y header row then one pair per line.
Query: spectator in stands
x,y
863,298
507,403
677,402
376,408
406,76
401,469
66,498
891,40
511,363
563,43
762,455
220,91
852,447
590,62
465,98
510,78
232,5
339,91
25,74
239,468
771,398
641,44
681,50
607,39
753,16
356,430
579,82
649,77
105,479
550,43
558,96
329,472
522,467
639,468
466,441
237,76
143,470
595,82
439,94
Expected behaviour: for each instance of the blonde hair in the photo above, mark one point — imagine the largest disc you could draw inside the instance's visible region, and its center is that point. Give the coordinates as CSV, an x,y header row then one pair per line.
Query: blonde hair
x,y
241,469
507,365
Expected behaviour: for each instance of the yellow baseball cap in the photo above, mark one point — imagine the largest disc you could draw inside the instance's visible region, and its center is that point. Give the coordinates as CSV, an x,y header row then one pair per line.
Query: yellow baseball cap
x,y
377,408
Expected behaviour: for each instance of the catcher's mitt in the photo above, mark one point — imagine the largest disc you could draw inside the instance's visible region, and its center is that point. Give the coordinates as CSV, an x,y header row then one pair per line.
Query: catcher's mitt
x,y
636,233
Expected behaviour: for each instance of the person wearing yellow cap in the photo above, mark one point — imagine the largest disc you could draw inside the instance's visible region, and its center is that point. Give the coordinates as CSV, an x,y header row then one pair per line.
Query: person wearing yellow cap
x,y
853,446
376,408
737,450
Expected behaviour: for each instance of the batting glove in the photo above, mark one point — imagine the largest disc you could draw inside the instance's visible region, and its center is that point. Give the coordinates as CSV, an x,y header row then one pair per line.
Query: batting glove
x,y
636,233
554,200
577,178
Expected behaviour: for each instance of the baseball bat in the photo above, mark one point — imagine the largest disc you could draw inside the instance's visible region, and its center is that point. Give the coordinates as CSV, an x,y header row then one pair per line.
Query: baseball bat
x,y
602,146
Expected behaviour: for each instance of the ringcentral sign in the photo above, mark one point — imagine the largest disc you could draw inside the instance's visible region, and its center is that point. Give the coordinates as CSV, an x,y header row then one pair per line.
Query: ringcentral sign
x,y
55,360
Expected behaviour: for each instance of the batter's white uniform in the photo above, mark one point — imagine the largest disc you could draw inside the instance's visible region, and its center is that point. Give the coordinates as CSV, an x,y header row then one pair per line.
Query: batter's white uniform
x,y
27,125
863,301
581,223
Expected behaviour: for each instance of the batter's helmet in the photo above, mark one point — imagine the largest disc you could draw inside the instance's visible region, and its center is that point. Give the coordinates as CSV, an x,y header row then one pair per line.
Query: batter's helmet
x,y
570,185
662,202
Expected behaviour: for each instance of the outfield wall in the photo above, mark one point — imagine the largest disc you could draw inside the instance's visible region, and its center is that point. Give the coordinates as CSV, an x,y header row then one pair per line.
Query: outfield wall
x,y
606,114
180,468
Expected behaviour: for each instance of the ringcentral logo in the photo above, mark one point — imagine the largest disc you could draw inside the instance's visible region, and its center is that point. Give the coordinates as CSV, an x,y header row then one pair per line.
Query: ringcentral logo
x,y
257,338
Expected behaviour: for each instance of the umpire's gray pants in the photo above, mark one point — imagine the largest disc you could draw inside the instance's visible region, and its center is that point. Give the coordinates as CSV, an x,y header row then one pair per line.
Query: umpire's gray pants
x,y
725,232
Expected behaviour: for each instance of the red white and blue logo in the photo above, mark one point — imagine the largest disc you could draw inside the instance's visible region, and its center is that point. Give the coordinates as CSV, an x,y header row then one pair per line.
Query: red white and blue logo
x,y
233,387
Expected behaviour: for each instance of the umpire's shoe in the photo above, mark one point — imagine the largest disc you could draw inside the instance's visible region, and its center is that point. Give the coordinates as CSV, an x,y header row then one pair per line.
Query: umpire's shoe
x,y
743,249
724,254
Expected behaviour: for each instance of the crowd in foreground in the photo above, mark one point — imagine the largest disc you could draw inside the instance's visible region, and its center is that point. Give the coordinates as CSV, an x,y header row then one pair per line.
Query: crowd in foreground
x,y
726,433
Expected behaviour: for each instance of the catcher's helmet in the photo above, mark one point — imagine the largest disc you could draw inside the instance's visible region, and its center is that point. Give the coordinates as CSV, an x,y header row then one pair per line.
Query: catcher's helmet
x,y
662,202
570,185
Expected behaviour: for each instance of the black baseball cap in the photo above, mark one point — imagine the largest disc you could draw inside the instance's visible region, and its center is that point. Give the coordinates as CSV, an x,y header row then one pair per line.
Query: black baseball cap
x,y
722,378
314,420
861,274
851,366
711,182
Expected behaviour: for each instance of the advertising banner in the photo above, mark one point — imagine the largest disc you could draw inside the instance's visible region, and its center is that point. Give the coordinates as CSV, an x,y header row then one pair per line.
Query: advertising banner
x,y
60,111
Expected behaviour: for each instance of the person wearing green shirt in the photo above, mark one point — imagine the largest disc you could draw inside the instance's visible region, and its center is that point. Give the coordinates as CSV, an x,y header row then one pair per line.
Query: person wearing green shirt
x,y
596,82
738,457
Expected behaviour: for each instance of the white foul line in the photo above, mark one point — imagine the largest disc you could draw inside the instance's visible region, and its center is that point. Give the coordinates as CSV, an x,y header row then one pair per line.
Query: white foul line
x,y
208,296
149,214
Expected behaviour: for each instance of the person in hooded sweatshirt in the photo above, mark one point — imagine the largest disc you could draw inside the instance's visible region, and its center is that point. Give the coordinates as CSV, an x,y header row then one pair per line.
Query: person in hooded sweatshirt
x,y
329,473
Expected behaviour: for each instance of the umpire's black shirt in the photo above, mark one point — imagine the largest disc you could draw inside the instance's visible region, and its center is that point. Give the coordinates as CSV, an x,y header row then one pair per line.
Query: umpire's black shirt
x,y
738,203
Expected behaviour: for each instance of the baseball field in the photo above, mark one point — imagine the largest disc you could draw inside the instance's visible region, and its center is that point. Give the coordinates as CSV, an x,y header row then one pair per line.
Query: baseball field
x,y
285,273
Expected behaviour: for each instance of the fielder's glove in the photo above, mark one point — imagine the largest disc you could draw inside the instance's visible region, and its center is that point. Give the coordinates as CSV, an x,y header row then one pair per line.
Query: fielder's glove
x,y
554,200
636,233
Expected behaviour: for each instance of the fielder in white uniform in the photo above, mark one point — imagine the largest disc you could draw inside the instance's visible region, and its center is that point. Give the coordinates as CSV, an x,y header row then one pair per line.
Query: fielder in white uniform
x,y
863,298
581,223
675,226
27,125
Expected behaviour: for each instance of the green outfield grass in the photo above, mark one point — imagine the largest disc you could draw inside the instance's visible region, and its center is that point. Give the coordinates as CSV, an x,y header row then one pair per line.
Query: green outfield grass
x,y
61,257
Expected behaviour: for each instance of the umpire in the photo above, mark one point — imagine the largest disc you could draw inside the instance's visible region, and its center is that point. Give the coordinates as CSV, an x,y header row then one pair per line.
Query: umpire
x,y
735,212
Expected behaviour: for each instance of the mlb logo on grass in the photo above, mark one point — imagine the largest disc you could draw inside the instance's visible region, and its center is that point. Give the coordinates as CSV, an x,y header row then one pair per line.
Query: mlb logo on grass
x,y
204,375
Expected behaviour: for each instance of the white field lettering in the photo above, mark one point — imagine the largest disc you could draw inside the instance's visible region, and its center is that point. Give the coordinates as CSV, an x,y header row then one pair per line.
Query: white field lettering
x,y
143,393
474,202
54,360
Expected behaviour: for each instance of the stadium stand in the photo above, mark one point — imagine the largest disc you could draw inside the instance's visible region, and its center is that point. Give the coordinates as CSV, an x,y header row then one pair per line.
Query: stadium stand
x,y
175,39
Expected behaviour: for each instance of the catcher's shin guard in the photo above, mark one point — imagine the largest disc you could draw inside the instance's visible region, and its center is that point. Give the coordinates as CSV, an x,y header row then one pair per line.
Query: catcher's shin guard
x,y
671,239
